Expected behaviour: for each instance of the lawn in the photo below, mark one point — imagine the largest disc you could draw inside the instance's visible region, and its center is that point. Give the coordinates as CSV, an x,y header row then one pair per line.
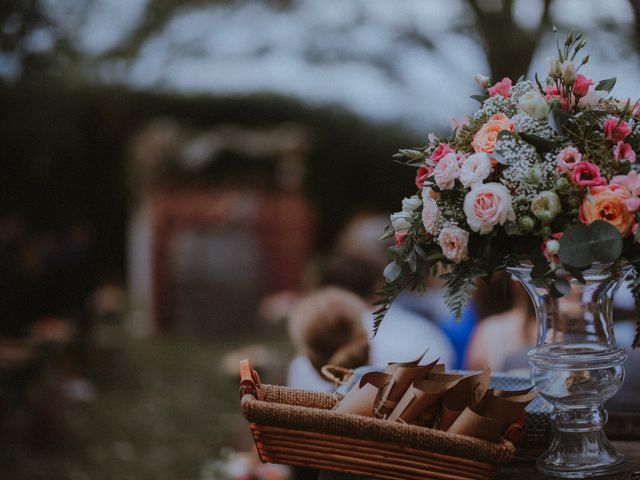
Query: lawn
x,y
168,409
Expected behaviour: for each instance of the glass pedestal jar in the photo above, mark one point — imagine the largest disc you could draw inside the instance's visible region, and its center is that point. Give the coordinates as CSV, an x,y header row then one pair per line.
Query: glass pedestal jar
x,y
577,366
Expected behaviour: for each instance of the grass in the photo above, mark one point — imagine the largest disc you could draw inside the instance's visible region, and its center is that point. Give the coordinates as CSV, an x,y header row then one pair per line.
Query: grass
x,y
168,409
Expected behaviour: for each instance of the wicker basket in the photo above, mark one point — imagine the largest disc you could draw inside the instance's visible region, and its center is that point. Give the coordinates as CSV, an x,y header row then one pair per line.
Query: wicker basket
x,y
298,427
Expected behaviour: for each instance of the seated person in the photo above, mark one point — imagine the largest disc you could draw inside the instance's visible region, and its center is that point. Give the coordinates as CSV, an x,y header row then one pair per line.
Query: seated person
x,y
403,335
326,328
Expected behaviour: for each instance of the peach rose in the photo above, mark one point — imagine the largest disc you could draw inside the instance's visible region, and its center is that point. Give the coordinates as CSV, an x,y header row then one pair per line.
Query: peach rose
x,y
607,203
488,205
485,138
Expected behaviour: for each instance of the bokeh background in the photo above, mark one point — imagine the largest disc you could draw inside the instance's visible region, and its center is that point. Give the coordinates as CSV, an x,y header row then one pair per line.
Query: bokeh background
x,y
175,173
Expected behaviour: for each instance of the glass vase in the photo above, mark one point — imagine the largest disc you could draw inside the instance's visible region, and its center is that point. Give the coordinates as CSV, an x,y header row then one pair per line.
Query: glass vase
x,y
576,366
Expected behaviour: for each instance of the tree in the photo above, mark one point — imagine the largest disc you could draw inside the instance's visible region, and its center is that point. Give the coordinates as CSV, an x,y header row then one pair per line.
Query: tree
x,y
509,46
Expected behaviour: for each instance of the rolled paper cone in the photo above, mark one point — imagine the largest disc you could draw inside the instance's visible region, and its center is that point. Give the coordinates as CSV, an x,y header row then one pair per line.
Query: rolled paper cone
x,y
438,368
447,417
402,377
392,366
474,425
421,395
505,409
467,392
515,393
359,401
362,397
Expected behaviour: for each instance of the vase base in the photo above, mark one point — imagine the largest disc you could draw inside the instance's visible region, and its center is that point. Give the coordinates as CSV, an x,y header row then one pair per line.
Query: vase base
x,y
580,455
576,472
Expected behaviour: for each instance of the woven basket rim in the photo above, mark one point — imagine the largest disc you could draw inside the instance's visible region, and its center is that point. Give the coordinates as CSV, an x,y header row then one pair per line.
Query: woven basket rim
x,y
311,411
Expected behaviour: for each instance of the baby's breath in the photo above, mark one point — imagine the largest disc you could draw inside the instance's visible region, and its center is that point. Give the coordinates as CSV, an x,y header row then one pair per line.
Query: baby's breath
x,y
496,104
526,174
527,124
522,87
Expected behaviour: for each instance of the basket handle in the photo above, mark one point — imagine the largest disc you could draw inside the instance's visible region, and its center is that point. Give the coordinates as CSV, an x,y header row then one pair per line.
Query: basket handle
x,y
336,374
249,380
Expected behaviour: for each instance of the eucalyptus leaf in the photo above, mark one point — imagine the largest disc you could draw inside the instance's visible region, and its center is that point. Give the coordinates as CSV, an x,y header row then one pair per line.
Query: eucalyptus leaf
x,y
541,144
392,272
480,98
498,154
562,286
582,245
606,85
558,119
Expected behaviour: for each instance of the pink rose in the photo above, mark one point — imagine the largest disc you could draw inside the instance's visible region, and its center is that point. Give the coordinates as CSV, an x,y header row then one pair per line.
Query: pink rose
x,y
458,124
567,159
632,182
623,151
488,205
615,129
421,176
400,236
586,174
552,91
581,85
454,243
446,171
440,151
430,211
502,88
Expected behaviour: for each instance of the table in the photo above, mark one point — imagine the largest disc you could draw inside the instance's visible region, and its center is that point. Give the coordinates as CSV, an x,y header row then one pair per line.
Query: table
x,y
527,470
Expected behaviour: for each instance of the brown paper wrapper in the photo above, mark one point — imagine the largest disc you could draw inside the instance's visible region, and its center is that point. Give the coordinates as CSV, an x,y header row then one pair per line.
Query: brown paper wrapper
x,y
418,403
466,393
363,396
401,379
475,425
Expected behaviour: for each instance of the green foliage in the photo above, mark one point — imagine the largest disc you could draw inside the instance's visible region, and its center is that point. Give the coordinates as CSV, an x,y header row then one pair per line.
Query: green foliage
x,y
460,283
582,245
606,85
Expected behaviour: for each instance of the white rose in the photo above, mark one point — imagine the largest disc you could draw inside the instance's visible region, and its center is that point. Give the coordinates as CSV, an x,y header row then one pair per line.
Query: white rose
x,y
446,171
400,221
532,103
475,169
430,212
454,243
488,205
553,67
412,203
569,72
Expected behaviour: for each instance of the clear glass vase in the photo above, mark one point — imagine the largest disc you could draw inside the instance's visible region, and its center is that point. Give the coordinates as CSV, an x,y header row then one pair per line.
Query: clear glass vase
x,y
576,366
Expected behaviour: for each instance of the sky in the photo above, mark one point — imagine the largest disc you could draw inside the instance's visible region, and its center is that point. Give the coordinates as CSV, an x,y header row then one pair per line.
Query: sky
x,y
359,54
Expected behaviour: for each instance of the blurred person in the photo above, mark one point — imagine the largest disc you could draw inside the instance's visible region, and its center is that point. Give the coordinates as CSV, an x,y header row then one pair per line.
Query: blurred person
x,y
326,328
402,335
500,341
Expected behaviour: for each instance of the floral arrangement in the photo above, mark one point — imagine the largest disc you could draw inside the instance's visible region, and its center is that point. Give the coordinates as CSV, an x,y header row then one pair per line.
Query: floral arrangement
x,y
544,172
